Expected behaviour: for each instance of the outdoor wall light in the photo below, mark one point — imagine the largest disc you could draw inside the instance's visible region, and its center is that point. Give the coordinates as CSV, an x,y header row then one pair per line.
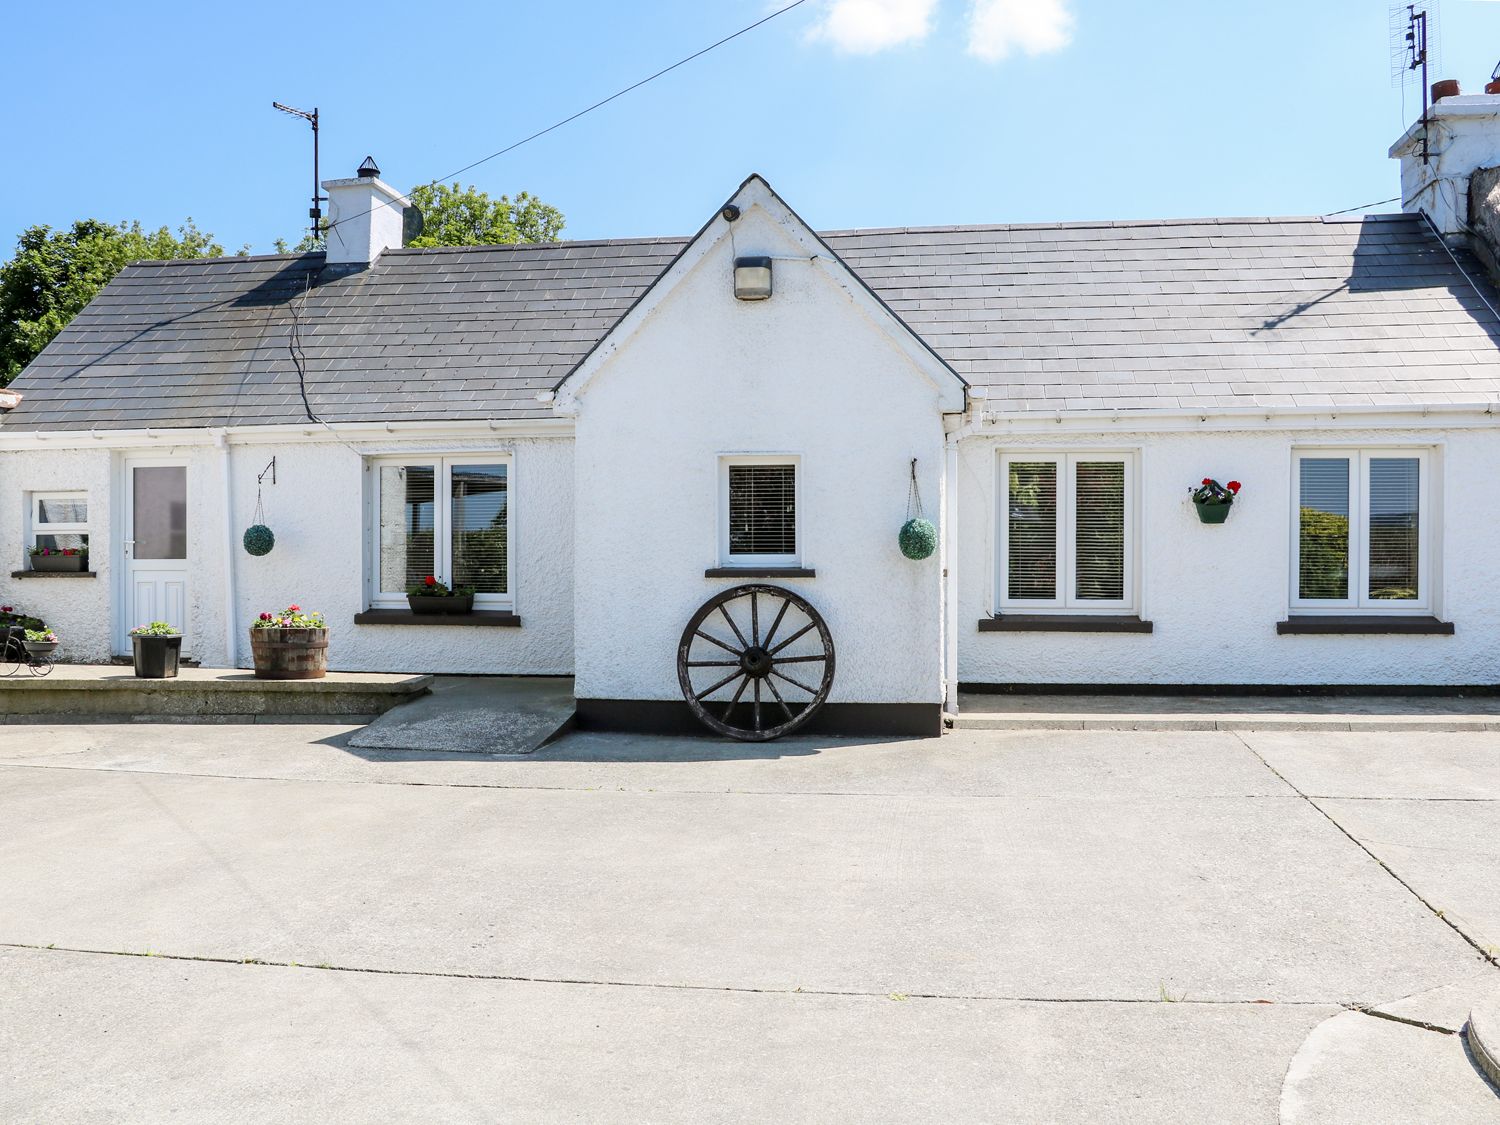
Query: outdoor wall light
x,y
752,278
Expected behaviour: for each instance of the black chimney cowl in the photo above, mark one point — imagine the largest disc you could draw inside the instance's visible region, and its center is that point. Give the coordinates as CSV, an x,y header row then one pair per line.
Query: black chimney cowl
x,y
369,169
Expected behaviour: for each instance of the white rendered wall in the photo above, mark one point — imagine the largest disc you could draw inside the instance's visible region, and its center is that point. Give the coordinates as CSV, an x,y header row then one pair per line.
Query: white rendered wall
x,y
806,373
1463,135
316,510
1215,594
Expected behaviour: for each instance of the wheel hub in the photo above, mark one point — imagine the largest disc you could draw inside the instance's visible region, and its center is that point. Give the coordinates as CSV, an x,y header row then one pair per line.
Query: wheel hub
x,y
757,662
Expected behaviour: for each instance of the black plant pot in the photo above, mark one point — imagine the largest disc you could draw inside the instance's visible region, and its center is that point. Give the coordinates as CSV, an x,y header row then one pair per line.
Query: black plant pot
x,y
423,603
156,657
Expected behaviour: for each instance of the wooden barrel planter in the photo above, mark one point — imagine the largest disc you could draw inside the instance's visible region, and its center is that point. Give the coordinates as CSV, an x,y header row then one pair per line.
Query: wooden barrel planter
x,y
289,654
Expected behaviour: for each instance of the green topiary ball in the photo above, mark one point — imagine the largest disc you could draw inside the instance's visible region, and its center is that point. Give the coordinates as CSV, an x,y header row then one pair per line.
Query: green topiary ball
x,y
918,539
259,540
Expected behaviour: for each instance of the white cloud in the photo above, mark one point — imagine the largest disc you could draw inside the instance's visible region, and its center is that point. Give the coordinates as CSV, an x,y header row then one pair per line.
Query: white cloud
x,y
998,27
863,27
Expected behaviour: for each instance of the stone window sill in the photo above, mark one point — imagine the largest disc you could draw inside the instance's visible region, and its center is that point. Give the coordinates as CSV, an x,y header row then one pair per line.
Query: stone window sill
x,y
1063,623
54,574
1372,624
760,572
502,618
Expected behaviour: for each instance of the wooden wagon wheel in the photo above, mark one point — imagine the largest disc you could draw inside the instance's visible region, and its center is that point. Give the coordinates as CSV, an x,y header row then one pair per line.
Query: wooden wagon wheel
x,y
755,663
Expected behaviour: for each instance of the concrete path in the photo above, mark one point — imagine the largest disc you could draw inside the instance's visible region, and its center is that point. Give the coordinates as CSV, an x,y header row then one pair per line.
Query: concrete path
x,y
476,715
1029,926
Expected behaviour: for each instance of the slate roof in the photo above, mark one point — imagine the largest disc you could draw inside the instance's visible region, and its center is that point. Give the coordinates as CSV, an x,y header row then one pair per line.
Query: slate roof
x,y
1065,317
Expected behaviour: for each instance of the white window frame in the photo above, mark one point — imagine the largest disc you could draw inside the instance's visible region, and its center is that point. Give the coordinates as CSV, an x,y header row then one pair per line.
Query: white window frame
x,y
759,562
1067,602
1359,458
442,465
36,526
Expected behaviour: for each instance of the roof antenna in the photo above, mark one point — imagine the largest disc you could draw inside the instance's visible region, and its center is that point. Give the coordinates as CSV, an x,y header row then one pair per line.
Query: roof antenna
x,y
1414,30
315,212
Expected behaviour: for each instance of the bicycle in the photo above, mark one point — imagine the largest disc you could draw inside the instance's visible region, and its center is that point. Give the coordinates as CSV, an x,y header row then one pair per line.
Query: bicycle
x,y
17,652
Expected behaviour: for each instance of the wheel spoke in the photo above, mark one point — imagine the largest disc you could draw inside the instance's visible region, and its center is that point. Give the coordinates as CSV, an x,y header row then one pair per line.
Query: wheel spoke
x,y
796,683
757,705
739,691
809,627
785,605
704,694
801,659
716,641
713,663
784,707
754,618
724,613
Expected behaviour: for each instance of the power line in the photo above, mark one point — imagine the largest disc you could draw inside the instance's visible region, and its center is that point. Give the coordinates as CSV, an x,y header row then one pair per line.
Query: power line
x,y
599,104
1362,207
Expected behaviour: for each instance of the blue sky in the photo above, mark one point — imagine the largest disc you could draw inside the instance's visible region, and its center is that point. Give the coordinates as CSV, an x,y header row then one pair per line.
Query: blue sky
x,y
860,112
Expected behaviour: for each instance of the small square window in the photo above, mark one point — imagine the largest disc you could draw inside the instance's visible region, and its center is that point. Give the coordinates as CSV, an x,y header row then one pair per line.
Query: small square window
x,y
759,512
59,521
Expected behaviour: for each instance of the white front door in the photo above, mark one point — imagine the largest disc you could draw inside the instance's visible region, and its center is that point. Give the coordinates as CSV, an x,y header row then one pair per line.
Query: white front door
x,y
155,546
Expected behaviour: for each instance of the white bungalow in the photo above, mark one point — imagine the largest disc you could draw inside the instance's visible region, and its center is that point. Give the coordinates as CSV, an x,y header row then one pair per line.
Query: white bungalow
x,y
600,437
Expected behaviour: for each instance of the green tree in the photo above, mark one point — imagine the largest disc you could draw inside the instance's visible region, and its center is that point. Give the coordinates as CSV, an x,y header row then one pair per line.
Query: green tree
x,y
55,273
454,216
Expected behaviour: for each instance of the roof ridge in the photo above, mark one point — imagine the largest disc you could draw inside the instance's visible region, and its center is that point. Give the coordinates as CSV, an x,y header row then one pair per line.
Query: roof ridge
x,y
1102,224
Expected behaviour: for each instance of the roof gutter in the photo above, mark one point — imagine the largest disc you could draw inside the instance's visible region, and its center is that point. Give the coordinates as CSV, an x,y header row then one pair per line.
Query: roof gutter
x,y
991,419
288,434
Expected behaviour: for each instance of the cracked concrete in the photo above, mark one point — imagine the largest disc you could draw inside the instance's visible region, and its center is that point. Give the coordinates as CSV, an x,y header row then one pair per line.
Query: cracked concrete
x,y
981,927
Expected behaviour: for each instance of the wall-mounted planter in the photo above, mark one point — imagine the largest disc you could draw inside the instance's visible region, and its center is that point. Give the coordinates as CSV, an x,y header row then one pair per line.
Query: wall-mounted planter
x,y
1213,513
423,603
59,564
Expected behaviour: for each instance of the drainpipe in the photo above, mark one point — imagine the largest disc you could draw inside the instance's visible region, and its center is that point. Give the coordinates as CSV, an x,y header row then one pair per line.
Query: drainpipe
x,y
950,574
231,630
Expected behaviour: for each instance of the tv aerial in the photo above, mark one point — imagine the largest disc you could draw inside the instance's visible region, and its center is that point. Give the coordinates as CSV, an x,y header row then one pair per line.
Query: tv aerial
x,y
315,212
1414,53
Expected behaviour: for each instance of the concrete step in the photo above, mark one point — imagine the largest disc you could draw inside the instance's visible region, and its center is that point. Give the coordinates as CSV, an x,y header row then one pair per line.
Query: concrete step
x,y
109,693
476,715
1226,713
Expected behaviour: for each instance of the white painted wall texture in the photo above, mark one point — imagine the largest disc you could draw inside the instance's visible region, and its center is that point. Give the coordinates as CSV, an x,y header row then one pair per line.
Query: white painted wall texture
x,y
805,373
1215,594
316,510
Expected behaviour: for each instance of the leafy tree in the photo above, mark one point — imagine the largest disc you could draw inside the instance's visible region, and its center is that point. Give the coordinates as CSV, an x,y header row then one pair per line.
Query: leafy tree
x,y
55,273
454,216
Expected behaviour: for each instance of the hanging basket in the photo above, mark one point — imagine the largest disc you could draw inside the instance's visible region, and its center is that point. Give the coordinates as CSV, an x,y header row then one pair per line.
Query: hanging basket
x,y
918,538
259,539
1213,513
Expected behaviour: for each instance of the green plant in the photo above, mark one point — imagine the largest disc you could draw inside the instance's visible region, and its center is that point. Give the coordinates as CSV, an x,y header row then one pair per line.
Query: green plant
x,y
41,636
1212,492
155,629
10,617
430,587
292,617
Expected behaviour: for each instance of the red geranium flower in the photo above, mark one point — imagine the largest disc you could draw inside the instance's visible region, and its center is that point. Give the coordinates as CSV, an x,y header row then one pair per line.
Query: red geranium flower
x,y
1206,482
294,609
430,580
1233,486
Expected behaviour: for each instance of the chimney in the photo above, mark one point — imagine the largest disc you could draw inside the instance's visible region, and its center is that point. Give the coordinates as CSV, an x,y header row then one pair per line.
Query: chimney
x,y
365,216
1459,137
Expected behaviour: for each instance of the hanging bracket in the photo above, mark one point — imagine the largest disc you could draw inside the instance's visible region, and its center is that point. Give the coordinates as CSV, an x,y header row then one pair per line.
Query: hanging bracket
x,y
260,477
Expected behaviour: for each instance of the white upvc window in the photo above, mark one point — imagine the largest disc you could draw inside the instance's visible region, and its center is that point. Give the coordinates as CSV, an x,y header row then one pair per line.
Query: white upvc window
x,y
1067,532
448,517
759,516
59,521
1362,523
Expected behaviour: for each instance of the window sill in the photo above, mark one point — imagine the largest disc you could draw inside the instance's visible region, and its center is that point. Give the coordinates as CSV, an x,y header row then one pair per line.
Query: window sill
x,y
1063,623
1366,624
54,574
760,572
502,618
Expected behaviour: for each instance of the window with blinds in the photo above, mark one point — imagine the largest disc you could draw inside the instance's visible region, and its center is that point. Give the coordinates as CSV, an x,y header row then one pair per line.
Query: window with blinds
x,y
1361,538
1067,532
445,517
761,506
60,522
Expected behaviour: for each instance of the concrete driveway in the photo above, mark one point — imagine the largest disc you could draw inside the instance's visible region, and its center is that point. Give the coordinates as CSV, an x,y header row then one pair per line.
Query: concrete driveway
x,y
1100,926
